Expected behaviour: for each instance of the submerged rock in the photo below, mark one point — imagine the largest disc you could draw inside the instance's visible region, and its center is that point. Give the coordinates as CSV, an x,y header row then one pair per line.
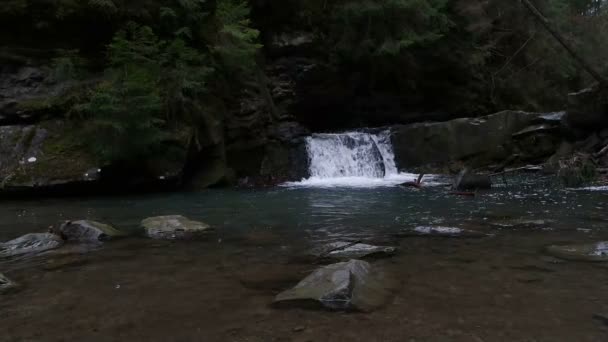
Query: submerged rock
x,y
467,180
521,224
30,244
438,231
350,250
174,227
595,252
352,285
88,231
7,285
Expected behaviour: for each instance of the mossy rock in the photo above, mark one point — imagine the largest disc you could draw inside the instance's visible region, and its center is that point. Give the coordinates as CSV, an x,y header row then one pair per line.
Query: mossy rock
x,y
42,155
174,227
89,231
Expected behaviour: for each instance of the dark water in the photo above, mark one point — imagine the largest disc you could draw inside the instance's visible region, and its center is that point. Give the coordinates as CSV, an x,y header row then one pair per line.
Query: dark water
x,y
501,288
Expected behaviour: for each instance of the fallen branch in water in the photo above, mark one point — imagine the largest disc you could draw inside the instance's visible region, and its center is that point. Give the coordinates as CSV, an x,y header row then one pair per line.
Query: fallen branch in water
x,y
416,184
601,152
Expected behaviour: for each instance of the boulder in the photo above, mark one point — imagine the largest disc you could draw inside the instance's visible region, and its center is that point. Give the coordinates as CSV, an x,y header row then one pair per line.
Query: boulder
x,y
351,285
174,227
88,231
594,252
467,180
438,231
479,141
47,158
39,156
27,93
7,285
350,250
30,244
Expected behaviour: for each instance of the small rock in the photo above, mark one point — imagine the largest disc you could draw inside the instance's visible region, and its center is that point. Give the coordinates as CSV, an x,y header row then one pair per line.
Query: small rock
x,y
174,227
30,244
352,285
88,231
438,231
594,252
349,250
299,329
7,285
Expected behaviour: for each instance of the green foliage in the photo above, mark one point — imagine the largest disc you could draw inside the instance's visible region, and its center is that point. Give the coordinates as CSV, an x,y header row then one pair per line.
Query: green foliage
x,y
369,27
238,43
122,119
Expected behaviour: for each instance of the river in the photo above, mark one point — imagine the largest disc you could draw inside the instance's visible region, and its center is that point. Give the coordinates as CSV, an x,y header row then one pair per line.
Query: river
x,y
500,288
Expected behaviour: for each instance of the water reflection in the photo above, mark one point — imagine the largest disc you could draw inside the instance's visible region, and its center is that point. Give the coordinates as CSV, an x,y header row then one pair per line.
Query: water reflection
x,y
321,214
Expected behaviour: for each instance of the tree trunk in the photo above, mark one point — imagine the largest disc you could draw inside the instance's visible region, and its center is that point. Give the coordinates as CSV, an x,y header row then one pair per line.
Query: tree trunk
x,y
547,24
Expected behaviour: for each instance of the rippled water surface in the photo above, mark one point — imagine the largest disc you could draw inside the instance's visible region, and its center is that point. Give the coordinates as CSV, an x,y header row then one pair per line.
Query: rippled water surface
x,y
319,213
500,288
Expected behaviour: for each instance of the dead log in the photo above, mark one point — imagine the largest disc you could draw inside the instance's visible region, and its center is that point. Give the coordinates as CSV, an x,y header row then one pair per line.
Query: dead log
x,y
415,184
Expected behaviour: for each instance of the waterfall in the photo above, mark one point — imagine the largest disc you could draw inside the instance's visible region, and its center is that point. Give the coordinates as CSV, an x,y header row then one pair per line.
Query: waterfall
x,y
352,159
350,154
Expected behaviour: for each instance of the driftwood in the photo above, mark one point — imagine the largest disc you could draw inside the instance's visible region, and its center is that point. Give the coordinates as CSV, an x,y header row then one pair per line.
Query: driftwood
x,y
549,26
601,152
416,184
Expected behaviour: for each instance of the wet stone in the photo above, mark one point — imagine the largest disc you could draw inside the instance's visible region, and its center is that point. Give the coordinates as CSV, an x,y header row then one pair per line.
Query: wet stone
x,y
30,244
439,231
351,285
352,250
521,224
174,227
593,252
88,231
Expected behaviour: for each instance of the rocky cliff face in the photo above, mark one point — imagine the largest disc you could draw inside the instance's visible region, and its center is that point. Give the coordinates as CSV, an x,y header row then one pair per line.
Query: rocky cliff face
x,y
256,140
482,141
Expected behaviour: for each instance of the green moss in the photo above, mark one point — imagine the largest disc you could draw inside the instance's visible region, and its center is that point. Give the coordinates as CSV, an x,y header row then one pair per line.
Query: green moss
x,y
62,157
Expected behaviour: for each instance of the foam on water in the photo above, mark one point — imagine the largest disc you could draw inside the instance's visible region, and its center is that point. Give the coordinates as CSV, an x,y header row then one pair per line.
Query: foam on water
x,y
353,159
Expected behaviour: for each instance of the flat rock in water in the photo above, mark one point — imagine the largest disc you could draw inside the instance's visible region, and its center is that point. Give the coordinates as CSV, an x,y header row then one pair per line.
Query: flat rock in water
x,y
439,231
30,244
88,231
351,285
7,285
595,252
521,224
174,227
349,250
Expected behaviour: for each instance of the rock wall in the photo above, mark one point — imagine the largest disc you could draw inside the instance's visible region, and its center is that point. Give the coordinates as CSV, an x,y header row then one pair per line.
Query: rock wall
x,y
476,141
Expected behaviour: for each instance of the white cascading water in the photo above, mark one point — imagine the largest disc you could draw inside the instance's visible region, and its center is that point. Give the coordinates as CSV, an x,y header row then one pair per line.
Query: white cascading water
x,y
352,159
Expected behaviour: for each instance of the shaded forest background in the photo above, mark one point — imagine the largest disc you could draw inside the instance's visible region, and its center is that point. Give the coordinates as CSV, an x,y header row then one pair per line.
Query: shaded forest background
x,y
149,69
